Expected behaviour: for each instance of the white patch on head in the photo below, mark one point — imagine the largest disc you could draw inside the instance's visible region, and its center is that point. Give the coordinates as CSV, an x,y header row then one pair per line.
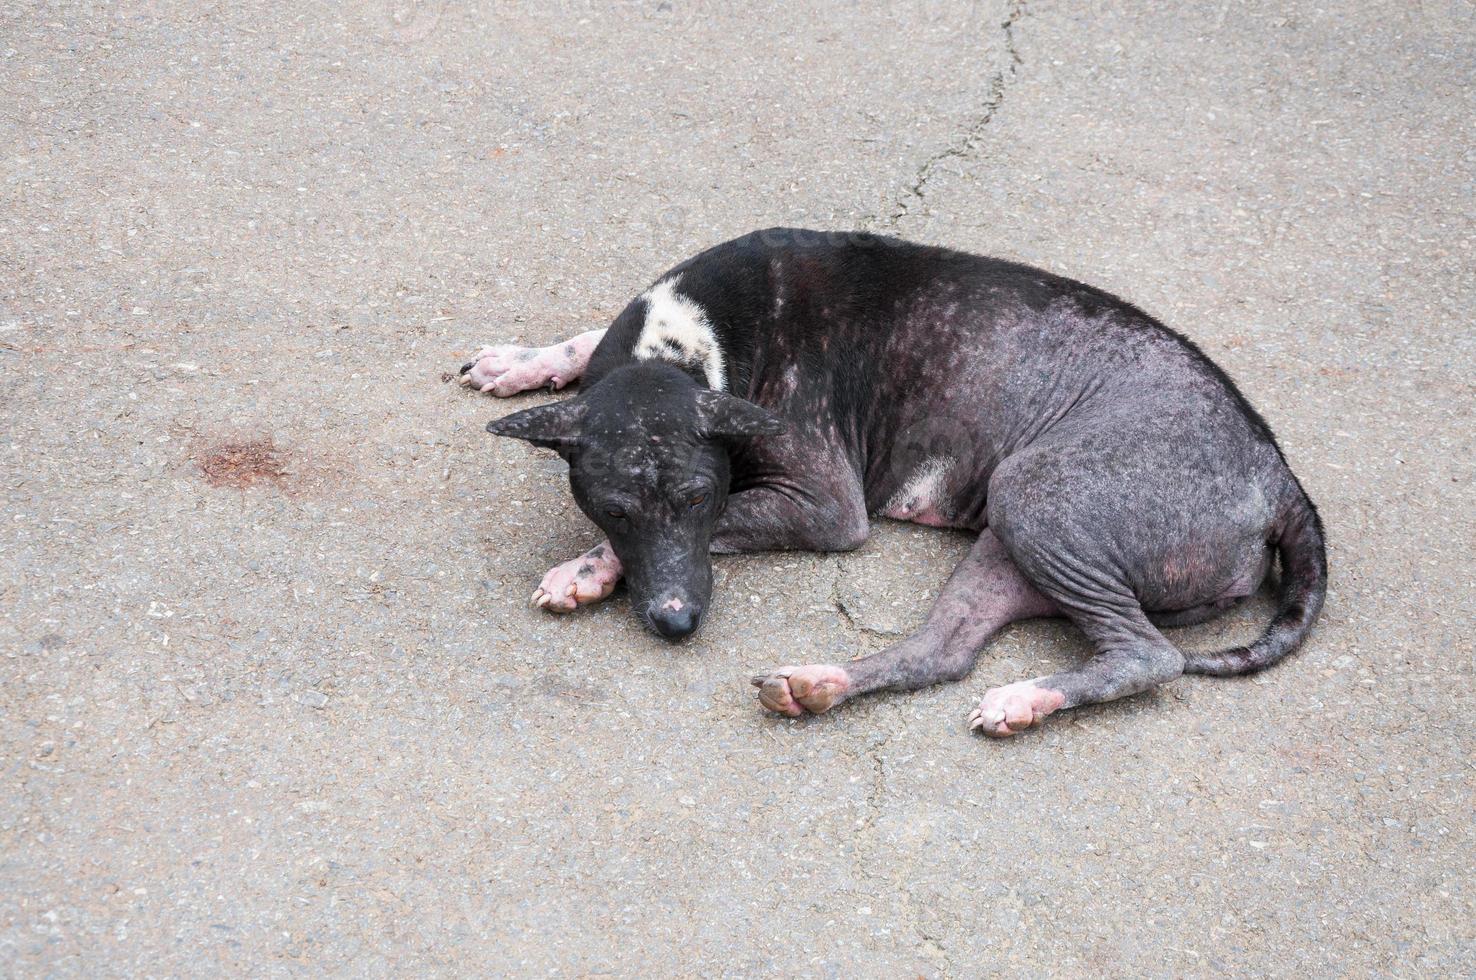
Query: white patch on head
x,y
922,491
677,330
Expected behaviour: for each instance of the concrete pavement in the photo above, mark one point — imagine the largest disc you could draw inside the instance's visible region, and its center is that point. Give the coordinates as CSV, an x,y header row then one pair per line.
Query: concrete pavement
x,y
272,700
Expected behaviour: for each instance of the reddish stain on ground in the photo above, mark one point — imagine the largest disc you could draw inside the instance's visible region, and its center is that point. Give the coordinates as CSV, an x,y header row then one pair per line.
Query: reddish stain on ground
x,y
243,464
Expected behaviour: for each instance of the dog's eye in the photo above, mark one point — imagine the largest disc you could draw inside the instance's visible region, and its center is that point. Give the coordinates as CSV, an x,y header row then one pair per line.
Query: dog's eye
x,y
615,513
698,500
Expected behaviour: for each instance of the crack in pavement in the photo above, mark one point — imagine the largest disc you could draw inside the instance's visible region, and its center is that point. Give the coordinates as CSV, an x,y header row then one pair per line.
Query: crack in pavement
x,y
899,878
849,618
962,148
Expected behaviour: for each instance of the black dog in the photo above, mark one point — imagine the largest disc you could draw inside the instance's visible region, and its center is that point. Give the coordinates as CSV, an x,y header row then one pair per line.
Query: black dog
x,y
1115,475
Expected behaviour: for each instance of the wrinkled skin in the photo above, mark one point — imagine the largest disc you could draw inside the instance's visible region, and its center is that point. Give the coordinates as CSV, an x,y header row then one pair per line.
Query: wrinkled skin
x,y
1112,473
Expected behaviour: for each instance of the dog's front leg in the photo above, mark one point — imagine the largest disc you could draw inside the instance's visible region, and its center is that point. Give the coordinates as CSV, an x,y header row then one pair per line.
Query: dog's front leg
x,y
579,581
761,519
507,369
789,518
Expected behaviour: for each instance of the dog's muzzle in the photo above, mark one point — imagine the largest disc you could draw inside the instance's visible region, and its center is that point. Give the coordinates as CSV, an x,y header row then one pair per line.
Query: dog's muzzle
x,y
674,617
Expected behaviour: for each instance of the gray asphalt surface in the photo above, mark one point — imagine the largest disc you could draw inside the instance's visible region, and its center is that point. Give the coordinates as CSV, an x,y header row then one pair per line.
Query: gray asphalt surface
x,y
273,701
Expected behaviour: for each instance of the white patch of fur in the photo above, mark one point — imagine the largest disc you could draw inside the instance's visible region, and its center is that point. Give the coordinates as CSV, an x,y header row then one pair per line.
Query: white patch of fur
x,y
674,319
922,489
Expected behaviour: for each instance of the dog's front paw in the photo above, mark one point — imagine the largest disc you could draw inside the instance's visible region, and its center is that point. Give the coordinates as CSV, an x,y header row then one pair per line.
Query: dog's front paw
x,y
1014,708
506,370
586,579
795,691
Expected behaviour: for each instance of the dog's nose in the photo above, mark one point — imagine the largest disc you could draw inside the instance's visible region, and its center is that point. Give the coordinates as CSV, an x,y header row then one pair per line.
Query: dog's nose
x,y
674,619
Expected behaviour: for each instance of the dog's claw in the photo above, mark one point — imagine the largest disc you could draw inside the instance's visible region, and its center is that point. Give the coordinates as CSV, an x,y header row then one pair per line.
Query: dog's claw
x,y
796,691
580,581
467,367
1011,709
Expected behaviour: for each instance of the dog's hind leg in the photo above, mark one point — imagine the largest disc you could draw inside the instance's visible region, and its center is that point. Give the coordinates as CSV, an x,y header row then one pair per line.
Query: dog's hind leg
x,y
507,369
1082,574
985,593
1132,656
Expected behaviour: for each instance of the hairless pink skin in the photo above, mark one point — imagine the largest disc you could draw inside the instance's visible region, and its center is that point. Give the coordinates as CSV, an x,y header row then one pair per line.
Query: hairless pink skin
x,y
579,581
507,369
795,691
922,512
1014,708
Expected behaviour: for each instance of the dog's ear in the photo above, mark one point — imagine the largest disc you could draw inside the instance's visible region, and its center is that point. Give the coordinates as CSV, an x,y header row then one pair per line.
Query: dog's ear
x,y
553,426
725,417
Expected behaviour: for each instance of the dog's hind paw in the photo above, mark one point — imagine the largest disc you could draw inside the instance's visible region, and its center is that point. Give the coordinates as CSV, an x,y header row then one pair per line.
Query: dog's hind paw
x,y
811,689
506,370
1014,708
580,581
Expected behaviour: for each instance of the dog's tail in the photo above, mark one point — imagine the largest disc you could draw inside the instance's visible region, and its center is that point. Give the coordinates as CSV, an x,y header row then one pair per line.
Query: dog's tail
x,y
1303,587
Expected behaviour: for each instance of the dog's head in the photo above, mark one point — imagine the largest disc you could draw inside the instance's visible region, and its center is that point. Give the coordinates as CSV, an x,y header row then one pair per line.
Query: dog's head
x,y
648,462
